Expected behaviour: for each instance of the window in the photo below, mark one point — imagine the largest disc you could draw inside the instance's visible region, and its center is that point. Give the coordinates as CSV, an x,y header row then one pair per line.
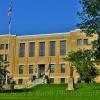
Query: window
x,y
6,57
21,49
20,81
62,80
52,48
31,49
85,41
2,46
42,49
6,46
62,68
52,80
52,66
63,47
21,69
30,69
1,57
79,42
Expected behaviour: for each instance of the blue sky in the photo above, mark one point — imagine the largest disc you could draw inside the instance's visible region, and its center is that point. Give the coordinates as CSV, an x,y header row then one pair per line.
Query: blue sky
x,y
40,16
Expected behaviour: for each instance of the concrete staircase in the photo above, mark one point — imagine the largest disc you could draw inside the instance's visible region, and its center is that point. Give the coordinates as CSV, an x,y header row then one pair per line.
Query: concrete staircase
x,y
30,84
36,82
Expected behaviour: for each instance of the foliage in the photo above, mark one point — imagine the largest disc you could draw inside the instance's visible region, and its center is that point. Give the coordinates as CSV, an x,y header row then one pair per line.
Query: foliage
x,y
96,49
83,60
90,21
90,16
3,70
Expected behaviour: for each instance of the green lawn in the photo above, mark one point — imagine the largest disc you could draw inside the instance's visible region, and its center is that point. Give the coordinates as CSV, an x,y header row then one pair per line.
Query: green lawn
x,y
55,92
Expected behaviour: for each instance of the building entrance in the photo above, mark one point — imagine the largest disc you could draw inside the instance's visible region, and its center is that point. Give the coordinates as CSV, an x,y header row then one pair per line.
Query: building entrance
x,y
41,70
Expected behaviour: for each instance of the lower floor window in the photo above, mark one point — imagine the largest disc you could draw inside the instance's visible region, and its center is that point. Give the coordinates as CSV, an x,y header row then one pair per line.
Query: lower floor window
x,y
30,69
21,69
52,66
62,80
51,80
20,81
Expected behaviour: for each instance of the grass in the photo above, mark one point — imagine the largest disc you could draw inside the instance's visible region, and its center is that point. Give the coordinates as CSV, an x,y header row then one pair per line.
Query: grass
x,y
55,92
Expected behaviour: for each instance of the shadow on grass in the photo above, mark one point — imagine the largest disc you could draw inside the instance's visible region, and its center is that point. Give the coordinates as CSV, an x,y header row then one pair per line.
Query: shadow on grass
x,y
17,90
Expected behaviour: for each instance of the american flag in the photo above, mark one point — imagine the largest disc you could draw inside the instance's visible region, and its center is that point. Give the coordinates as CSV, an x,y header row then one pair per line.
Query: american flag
x,y
10,11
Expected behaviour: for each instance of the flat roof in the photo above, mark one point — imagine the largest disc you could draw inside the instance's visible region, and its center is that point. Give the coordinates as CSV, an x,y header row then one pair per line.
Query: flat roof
x,y
35,35
38,35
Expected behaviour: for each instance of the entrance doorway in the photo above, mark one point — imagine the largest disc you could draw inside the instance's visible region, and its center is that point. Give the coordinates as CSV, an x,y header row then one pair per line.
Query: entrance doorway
x,y
41,70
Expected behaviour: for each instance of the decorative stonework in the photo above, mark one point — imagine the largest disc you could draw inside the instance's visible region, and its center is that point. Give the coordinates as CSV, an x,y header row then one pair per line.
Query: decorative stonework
x,y
70,84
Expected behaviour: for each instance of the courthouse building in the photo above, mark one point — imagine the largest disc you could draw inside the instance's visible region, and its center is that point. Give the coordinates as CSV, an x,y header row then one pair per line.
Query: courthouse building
x,y
33,56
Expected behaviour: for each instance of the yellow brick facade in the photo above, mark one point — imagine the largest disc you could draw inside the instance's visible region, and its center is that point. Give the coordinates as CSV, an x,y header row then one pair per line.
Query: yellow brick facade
x,y
14,59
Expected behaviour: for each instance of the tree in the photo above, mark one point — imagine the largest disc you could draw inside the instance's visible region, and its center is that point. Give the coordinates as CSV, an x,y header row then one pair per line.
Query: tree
x,y
3,70
90,22
83,61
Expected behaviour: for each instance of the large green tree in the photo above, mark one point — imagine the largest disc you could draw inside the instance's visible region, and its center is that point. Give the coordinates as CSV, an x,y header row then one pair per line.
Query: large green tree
x,y
83,61
3,70
90,22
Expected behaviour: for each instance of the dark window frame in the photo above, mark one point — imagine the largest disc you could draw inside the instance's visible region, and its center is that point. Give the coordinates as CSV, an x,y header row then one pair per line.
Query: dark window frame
x,y
6,46
52,48
2,46
31,49
62,80
79,42
21,70
63,70
20,81
52,69
85,42
22,50
62,47
31,69
51,80
2,56
41,48
6,57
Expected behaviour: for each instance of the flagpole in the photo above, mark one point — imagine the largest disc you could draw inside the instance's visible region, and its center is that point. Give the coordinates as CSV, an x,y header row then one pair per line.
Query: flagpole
x,y
10,16
9,31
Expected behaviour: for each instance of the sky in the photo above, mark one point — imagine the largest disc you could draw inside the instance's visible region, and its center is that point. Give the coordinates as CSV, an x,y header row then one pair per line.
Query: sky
x,y
40,16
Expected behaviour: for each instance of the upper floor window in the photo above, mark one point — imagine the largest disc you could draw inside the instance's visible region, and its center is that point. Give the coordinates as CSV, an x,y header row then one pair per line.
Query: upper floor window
x,y
1,46
31,49
52,48
42,49
21,49
6,46
79,42
85,41
62,68
52,67
30,69
21,67
63,47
